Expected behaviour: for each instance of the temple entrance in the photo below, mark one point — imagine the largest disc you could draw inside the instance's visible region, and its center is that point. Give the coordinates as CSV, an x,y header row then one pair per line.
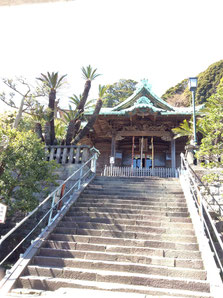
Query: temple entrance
x,y
143,154
144,162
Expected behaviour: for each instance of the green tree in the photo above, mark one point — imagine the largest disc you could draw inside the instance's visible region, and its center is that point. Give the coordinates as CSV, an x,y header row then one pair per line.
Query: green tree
x,y
76,117
118,92
93,117
52,82
211,148
23,169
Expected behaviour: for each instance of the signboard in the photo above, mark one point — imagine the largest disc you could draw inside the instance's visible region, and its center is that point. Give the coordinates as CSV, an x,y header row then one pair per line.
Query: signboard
x,y
112,160
3,209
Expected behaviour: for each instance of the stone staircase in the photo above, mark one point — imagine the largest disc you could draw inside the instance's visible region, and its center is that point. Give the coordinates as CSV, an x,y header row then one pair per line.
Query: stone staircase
x,y
131,235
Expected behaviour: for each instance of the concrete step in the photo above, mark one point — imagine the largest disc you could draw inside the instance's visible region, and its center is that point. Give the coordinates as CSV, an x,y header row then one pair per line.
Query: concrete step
x,y
114,277
115,191
172,245
126,228
117,266
104,179
128,221
142,203
164,212
125,234
143,188
108,292
104,289
150,216
140,198
119,254
130,207
130,195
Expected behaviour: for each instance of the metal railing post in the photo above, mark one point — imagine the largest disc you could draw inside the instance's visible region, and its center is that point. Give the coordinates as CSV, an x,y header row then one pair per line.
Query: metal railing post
x,y
80,177
52,205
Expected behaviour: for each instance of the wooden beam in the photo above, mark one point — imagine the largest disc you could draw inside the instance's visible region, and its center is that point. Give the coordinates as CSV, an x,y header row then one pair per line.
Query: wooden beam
x,y
143,133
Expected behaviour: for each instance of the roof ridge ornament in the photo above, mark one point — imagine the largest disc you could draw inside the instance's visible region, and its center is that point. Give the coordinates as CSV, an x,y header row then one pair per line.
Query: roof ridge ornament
x,y
143,100
144,83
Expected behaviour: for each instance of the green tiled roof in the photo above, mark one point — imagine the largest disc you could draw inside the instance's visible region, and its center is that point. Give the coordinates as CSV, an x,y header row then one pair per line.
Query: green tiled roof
x,y
144,100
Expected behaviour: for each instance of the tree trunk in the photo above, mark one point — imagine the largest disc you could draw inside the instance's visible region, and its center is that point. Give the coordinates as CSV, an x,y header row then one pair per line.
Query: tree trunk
x,y
90,123
72,130
52,98
47,133
38,131
19,114
84,97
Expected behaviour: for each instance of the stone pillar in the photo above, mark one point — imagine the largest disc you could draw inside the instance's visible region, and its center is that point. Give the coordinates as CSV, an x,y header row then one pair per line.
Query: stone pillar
x,y
173,154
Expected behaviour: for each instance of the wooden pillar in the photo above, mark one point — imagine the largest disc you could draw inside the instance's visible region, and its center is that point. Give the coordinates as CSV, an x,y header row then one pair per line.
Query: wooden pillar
x,y
141,151
113,143
173,154
133,150
152,152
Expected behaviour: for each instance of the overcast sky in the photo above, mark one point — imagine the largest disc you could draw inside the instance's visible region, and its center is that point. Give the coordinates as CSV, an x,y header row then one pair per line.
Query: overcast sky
x,y
164,41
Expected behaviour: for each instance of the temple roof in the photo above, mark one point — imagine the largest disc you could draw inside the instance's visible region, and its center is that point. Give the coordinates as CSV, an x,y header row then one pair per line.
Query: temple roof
x,y
143,100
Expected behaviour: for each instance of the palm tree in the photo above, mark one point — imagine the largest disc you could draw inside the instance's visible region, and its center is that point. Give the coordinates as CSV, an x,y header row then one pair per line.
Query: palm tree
x,y
89,75
92,119
185,129
80,103
73,118
53,82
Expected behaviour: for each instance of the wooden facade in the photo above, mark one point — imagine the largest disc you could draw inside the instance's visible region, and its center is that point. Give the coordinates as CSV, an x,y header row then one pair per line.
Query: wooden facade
x,y
138,132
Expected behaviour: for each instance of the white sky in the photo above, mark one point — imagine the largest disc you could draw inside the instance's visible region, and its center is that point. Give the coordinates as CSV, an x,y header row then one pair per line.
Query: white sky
x,y
164,41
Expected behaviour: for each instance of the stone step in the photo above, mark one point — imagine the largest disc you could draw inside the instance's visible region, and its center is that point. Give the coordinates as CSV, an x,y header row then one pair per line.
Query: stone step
x,y
67,263
135,187
126,228
115,277
139,191
149,222
124,234
168,213
130,198
150,215
104,289
173,245
130,207
139,198
142,203
104,179
102,292
119,254
129,195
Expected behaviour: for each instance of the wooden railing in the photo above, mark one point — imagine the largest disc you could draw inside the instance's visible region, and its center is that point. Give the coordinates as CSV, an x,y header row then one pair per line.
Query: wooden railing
x,y
68,154
140,172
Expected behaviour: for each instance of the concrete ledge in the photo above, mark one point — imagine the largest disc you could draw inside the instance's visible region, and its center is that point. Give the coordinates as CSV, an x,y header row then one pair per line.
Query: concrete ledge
x,y
213,274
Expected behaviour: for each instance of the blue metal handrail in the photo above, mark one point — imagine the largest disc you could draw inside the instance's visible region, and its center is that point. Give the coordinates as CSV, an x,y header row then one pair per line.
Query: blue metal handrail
x,y
54,204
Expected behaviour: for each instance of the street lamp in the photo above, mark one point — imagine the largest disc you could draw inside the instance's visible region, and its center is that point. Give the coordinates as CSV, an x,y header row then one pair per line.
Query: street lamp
x,y
192,84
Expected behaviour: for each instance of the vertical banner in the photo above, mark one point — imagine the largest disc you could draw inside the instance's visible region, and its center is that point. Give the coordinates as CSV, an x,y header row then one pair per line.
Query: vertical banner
x,y
3,209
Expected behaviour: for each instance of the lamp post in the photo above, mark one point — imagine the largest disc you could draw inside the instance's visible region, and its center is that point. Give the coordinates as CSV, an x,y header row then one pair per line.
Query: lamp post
x,y
192,84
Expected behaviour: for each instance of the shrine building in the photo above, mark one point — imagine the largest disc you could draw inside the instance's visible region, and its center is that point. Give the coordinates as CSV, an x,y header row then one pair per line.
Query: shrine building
x,y
137,132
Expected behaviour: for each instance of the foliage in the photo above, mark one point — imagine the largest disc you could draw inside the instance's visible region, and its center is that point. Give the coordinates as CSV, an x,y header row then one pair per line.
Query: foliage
x,y
118,92
88,73
52,80
23,170
211,148
186,129
208,82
